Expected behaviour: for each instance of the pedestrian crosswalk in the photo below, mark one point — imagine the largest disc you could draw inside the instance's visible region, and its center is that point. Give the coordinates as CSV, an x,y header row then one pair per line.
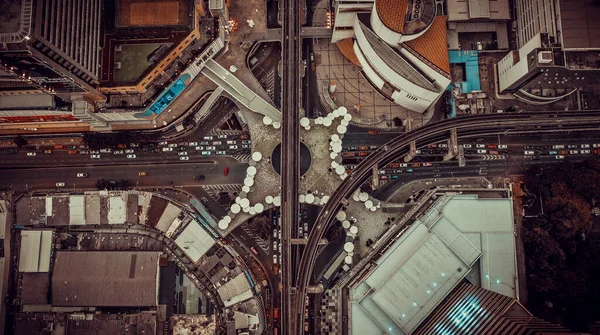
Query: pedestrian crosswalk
x,y
264,245
242,158
223,187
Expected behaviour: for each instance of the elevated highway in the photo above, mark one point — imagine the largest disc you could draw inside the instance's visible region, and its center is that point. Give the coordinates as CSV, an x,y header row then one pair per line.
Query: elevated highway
x,y
431,133
290,154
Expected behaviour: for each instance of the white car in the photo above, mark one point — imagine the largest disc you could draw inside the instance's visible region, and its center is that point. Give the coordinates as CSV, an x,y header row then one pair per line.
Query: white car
x,y
167,149
208,138
275,233
131,156
502,146
274,259
129,151
246,141
573,152
184,158
442,145
231,142
182,153
82,175
585,146
31,154
199,148
480,146
217,143
118,152
596,145
60,184
275,245
193,144
233,147
585,152
221,153
527,152
403,165
222,136
163,143
245,146
173,145
467,146
211,148
94,156
481,151
559,157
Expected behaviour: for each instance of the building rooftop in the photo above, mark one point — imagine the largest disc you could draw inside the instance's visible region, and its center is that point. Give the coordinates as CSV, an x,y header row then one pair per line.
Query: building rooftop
x,y
392,13
433,45
396,61
114,278
36,246
473,310
580,24
346,47
194,241
457,236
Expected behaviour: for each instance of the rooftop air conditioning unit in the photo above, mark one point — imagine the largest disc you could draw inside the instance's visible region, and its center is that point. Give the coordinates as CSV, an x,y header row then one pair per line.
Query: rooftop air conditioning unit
x,y
545,57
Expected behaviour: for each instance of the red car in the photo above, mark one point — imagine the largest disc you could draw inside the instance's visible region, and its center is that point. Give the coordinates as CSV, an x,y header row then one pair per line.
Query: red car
x,y
226,171
492,146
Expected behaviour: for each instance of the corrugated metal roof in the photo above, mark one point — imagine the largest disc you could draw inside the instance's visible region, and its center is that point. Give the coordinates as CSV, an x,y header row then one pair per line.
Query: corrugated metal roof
x,y
34,255
98,278
76,210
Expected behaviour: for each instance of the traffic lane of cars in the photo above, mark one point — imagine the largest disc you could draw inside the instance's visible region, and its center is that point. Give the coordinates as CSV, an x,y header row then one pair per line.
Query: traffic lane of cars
x,y
155,175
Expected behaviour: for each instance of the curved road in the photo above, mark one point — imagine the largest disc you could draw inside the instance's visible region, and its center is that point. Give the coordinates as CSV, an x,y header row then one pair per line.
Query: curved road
x,y
491,123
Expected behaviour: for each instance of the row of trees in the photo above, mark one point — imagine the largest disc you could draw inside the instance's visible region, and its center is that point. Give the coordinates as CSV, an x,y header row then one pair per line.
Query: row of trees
x,y
562,254
103,184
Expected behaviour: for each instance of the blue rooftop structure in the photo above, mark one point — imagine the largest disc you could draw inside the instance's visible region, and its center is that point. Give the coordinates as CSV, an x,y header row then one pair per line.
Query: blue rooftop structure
x,y
167,96
471,60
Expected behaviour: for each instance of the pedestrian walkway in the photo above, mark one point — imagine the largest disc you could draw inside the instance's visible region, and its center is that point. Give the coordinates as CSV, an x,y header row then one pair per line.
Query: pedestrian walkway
x,y
238,91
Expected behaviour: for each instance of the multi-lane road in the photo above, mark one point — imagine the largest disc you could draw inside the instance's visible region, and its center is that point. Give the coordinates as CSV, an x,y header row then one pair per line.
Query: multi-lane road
x,y
290,147
429,134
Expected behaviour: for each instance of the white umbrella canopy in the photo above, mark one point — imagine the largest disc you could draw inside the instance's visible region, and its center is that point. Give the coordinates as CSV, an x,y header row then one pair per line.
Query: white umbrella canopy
x,y
245,203
267,120
251,170
348,259
304,122
269,199
346,224
259,208
276,125
363,196
354,230
341,129
333,155
309,198
223,225
348,247
256,156
236,208
277,201
341,216
249,181
327,122
302,198
335,138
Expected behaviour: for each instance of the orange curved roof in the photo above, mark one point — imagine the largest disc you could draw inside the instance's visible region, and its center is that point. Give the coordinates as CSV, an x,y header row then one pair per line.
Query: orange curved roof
x,y
392,13
433,45
346,47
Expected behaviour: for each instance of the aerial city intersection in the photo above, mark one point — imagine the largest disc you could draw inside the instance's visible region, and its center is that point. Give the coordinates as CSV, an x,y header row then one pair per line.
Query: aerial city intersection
x,y
299,167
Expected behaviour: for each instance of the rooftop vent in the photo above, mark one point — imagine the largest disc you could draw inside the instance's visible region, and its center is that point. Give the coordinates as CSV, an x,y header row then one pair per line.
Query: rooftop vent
x,y
545,57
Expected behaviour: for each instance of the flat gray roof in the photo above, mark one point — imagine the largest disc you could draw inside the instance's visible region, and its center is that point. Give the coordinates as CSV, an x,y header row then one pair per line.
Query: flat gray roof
x,y
105,278
580,24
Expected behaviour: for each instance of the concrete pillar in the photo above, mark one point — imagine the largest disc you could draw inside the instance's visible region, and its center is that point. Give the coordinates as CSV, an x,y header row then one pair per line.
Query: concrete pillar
x,y
412,152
